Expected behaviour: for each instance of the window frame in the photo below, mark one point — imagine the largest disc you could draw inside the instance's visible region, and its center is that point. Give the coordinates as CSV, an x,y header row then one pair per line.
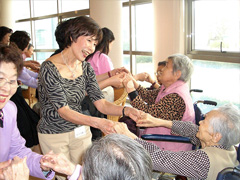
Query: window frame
x,y
221,56
132,53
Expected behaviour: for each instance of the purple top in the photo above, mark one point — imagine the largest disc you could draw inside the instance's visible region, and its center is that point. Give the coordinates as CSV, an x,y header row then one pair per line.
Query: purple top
x,y
29,78
101,63
12,143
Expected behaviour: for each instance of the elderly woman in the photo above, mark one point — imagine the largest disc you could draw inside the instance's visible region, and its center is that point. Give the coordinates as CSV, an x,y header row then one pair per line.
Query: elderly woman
x,y
217,134
172,101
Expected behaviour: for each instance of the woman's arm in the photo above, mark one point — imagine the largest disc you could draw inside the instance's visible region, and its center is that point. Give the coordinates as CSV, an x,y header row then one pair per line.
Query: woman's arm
x,y
106,126
115,81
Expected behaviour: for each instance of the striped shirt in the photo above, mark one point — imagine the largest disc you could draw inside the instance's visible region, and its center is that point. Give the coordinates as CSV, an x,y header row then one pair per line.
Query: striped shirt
x,y
56,92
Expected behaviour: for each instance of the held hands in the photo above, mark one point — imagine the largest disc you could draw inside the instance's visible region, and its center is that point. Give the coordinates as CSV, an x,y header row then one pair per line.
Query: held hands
x,y
17,170
129,83
147,120
121,128
117,80
118,71
57,162
106,126
133,113
3,165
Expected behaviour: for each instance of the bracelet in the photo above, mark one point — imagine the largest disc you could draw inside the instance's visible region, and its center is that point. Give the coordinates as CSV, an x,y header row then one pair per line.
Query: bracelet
x,y
154,83
123,114
109,74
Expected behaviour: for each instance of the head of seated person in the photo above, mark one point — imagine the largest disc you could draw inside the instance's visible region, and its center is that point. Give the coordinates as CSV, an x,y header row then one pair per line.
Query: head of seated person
x,y
5,34
21,39
178,67
116,157
220,127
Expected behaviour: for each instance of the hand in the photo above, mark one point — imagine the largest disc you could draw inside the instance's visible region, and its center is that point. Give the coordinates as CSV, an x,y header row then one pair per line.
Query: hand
x,y
57,162
147,120
141,76
3,165
117,80
133,113
17,170
118,71
106,126
121,128
129,83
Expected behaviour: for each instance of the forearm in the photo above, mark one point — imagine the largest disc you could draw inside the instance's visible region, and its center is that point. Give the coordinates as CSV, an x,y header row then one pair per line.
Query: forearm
x,y
102,77
78,118
108,108
104,83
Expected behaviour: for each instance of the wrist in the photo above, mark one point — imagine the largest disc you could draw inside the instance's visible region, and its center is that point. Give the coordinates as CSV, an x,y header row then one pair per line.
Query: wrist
x,y
109,74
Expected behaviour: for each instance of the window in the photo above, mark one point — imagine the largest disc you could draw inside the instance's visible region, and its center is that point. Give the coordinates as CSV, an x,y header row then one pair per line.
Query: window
x,y
138,26
213,42
40,21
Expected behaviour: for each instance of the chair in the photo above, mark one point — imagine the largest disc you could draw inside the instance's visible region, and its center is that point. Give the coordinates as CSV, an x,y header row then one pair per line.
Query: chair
x,y
120,96
29,94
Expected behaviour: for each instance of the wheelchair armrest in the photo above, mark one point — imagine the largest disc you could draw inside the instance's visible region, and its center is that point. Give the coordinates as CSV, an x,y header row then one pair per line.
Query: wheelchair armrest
x,y
170,138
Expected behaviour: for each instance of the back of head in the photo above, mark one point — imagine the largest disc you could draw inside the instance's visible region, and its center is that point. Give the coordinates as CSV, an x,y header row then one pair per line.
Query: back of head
x,y
184,64
60,33
116,157
227,123
10,54
21,39
108,37
80,26
3,31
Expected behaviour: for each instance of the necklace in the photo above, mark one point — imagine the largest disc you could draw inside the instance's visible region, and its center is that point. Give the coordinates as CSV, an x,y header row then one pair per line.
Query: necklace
x,y
72,71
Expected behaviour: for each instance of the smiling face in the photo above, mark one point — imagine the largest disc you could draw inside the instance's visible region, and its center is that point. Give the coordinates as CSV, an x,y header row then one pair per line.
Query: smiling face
x,y
8,72
84,46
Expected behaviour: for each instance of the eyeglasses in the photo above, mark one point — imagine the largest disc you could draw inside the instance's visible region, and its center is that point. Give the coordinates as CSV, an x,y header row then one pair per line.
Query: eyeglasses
x,y
157,73
4,81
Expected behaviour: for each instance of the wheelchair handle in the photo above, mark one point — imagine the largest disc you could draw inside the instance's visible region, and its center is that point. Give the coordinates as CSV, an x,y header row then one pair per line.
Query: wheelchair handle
x,y
196,90
213,103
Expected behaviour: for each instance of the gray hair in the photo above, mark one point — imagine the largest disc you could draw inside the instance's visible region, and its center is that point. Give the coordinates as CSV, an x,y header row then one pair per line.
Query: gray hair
x,y
184,64
227,124
118,157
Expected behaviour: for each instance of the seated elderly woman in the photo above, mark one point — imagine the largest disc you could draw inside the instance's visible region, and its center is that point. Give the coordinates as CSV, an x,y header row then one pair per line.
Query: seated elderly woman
x,y
172,101
114,156
217,135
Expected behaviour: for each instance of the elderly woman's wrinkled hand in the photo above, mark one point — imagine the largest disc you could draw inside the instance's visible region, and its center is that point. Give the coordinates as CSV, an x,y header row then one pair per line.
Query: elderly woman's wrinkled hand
x,y
141,76
17,170
3,165
127,79
147,120
121,128
117,80
57,162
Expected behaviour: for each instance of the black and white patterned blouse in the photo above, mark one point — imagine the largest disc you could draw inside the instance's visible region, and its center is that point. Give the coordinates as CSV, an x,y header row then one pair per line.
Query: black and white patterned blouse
x,y
192,164
56,92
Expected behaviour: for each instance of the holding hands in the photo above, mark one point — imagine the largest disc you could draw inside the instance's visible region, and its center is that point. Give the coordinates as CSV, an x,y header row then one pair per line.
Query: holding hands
x,y
16,170
57,162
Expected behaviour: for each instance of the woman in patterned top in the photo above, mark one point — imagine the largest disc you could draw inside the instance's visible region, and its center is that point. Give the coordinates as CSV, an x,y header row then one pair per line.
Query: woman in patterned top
x,y
64,80
172,101
217,135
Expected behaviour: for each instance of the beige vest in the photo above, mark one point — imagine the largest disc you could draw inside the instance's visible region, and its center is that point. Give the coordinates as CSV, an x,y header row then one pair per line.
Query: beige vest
x,y
220,159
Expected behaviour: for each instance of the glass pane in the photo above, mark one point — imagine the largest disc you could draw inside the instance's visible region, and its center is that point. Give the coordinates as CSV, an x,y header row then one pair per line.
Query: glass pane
x,y
42,56
126,61
23,26
215,22
72,5
22,9
144,27
219,81
125,27
145,64
44,7
44,33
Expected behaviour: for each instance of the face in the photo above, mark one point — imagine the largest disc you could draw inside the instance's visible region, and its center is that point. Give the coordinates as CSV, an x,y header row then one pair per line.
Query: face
x,y
167,77
8,82
159,69
29,52
205,134
6,39
84,46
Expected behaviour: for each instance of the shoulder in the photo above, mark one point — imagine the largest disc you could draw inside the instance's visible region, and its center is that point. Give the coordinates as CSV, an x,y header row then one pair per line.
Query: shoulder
x,y
10,106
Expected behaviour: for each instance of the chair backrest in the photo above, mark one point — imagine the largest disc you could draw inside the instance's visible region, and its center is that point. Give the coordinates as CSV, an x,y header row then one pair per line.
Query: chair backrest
x,y
120,96
230,173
